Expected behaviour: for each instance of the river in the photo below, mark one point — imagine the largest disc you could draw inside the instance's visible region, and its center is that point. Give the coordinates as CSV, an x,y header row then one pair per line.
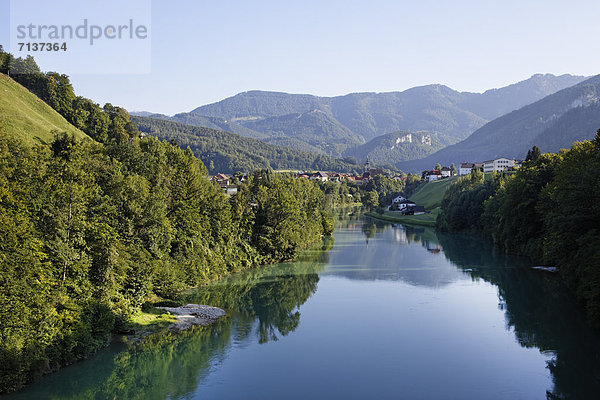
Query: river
x,y
383,312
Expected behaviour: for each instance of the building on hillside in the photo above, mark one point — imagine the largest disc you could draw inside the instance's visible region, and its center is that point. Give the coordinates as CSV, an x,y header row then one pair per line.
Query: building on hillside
x,y
320,176
229,189
498,165
221,179
465,168
433,175
398,199
402,205
371,172
376,171
335,177
446,172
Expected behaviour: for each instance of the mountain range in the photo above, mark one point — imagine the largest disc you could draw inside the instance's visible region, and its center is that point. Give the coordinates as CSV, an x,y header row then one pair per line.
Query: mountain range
x,y
338,126
552,123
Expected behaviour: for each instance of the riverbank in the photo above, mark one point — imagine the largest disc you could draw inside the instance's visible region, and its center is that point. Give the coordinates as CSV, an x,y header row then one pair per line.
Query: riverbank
x,y
428,219
161,314
193,315
172,318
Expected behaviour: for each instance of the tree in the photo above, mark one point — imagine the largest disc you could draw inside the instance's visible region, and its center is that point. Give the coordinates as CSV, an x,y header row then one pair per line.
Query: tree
x,y
533,154
453,169
438,167
371,199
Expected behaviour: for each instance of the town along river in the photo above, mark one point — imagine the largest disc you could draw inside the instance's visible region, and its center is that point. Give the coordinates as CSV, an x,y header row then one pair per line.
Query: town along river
x,y
384,312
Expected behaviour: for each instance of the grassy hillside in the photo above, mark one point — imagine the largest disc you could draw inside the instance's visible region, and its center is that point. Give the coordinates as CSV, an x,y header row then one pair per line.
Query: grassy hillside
x,y
431,194
24,115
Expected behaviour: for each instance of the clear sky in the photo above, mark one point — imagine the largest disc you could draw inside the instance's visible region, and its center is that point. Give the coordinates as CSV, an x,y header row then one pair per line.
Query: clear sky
x,y
204,51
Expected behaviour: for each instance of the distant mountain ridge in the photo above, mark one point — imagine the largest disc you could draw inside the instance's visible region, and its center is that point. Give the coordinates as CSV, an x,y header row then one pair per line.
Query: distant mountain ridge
x,y
336,125
399,146
551,123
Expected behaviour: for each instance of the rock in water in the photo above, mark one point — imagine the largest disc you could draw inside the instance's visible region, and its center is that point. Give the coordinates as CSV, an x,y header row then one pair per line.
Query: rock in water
x,y
194,314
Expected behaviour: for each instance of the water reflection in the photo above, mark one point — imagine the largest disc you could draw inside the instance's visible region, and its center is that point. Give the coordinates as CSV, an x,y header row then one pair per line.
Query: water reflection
x,y
266,305
262,304
537,306
388,252
542,313
270,295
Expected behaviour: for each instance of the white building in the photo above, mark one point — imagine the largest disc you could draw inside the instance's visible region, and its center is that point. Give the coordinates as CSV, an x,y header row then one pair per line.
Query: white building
x,y
498,165
403,205
229,189
433,176
465,168
446,172
320,175
398,199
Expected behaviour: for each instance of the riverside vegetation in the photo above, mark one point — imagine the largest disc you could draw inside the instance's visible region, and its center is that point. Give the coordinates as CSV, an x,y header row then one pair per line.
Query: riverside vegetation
x,y
547,210
93,228
91,232
98,222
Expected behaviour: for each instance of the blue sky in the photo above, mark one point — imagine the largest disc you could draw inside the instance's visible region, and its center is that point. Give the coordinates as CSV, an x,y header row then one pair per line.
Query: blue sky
x,y
204,51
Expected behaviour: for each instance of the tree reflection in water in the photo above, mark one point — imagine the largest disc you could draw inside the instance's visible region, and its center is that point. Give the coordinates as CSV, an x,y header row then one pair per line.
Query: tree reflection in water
x,y
538,307
264,305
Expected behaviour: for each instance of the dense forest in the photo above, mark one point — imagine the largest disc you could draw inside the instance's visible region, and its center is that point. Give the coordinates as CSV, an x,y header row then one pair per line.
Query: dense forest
x,y
94,229
91,232
228,153
547,210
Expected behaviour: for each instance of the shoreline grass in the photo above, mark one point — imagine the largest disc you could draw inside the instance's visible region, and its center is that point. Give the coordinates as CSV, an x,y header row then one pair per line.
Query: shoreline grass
x,y
428,219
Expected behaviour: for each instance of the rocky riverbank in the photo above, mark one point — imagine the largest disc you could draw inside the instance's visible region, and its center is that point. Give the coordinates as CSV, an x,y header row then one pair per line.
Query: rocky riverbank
x,y
193,315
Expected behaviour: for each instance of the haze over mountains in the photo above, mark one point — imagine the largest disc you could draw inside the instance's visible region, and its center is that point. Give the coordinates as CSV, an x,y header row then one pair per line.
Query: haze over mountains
x,y
344,125
417,128
551,123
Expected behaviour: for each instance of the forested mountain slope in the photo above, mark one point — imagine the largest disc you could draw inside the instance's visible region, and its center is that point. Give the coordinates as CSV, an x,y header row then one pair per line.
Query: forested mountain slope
x,y
547,121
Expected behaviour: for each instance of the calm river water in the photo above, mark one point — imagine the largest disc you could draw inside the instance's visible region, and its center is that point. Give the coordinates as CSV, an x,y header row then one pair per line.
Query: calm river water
x,y
384,312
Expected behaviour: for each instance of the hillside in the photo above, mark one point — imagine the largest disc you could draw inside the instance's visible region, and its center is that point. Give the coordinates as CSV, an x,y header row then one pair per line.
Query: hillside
x,y
434,108
217,123
494,103
575,125
24,115
396,146
546,122
316,128
229,153
331,125
431,194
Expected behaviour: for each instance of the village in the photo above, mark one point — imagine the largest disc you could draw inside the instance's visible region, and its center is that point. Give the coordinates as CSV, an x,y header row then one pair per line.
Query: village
x,y
399,204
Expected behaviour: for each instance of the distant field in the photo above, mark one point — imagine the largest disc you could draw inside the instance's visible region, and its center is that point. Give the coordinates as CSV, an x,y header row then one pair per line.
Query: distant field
x,y
24,115
431,194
